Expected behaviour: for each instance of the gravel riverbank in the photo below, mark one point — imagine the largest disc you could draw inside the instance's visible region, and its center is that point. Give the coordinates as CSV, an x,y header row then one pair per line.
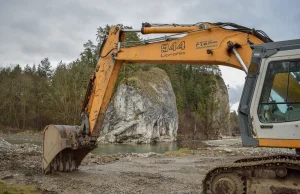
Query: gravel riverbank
x,y
178,171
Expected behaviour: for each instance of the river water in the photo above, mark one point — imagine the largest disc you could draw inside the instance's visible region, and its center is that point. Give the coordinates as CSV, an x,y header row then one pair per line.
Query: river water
x,y
107,149
135,148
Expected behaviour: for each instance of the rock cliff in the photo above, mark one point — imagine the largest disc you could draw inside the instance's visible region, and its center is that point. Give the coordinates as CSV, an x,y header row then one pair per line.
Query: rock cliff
x,y
143,110
215,121
221,112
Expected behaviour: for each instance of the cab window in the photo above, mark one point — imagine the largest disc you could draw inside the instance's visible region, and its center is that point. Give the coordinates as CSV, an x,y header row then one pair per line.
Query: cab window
x,y
280,99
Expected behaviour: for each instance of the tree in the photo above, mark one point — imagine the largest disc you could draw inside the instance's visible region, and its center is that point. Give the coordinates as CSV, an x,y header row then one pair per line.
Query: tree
x,y
33,69
44,68
234,123
68,90
17,70
28,70
89,56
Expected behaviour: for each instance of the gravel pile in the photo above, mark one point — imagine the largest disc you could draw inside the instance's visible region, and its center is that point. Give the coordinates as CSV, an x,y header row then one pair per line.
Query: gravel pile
x,y
4,145
256,151
19,148
27,147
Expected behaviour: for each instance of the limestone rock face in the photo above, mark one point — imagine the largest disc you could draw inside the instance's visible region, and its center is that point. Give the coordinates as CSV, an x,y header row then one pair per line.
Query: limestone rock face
x,y
143,110
222,111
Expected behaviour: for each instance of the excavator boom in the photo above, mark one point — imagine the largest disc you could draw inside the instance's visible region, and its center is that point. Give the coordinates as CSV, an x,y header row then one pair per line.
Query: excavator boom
x,y
204,44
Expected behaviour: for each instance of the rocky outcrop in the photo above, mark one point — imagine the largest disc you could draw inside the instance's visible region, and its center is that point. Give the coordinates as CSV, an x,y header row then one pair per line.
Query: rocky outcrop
x,y
221,113
143,110
214,123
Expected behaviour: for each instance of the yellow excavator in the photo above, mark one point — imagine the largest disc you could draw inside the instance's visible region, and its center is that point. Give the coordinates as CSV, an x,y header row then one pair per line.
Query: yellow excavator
x,y
269,110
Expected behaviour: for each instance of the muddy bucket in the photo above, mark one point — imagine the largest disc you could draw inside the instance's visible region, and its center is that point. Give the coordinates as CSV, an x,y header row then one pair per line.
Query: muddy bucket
x,y
63,148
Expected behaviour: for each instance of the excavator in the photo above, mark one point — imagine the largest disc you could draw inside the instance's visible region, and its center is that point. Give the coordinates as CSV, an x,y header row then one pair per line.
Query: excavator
x,y
269,109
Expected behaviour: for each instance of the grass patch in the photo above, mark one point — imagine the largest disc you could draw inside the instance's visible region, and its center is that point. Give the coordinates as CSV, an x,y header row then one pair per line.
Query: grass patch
x,y
16,189
180,153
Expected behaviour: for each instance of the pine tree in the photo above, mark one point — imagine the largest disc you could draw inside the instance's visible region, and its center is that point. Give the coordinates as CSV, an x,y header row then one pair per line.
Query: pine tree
x,y
44,68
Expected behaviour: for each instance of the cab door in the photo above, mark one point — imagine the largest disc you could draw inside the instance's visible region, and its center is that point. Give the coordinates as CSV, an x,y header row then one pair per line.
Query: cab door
x,y
275,108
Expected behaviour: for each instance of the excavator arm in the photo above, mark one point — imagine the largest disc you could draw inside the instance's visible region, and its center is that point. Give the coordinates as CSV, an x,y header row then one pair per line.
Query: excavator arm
x,y
204,43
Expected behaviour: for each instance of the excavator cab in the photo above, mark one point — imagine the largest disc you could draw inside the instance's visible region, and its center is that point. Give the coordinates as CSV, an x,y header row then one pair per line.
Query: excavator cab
x,y
269,110
269,116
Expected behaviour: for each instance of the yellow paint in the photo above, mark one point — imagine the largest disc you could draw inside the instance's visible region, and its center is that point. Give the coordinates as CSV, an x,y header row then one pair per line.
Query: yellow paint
x,y
104,81
170,29
279,143
192,49
280,86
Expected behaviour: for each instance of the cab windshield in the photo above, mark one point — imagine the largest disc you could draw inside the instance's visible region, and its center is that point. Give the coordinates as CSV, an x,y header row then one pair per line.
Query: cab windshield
x,y
280,100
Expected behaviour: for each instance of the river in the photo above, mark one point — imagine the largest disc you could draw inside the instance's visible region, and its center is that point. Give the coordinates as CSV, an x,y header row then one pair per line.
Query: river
x,y
107,149
135,148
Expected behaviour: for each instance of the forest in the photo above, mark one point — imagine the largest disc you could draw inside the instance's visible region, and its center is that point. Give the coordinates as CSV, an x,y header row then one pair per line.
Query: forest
x,y
34,95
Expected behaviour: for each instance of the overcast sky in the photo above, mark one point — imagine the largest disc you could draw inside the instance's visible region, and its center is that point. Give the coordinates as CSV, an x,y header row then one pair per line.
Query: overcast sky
x,y
31,30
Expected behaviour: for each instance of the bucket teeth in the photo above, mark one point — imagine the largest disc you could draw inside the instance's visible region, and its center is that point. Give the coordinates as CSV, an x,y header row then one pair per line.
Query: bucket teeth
x,y
63,162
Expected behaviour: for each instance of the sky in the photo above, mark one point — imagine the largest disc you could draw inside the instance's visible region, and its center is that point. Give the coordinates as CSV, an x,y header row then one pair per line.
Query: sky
x,y
34,29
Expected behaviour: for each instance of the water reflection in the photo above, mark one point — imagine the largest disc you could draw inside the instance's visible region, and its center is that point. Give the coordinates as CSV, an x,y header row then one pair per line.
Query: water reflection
x,y
18,141
107,149
160,148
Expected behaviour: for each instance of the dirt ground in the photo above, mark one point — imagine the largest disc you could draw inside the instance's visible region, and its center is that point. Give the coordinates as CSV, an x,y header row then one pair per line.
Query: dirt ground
x,y
179,171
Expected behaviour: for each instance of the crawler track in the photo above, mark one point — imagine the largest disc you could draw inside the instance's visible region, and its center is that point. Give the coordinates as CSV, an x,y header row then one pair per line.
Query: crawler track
x,y
238,177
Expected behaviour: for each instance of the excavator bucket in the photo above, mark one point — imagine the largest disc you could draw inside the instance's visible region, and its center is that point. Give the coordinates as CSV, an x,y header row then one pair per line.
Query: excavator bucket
x,y
63,148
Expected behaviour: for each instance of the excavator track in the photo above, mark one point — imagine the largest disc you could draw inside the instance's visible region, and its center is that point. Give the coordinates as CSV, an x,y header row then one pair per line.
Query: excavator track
x,y
270,157
278,174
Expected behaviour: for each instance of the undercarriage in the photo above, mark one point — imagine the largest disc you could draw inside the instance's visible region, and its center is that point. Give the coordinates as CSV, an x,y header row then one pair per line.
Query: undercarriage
x,y
276,174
